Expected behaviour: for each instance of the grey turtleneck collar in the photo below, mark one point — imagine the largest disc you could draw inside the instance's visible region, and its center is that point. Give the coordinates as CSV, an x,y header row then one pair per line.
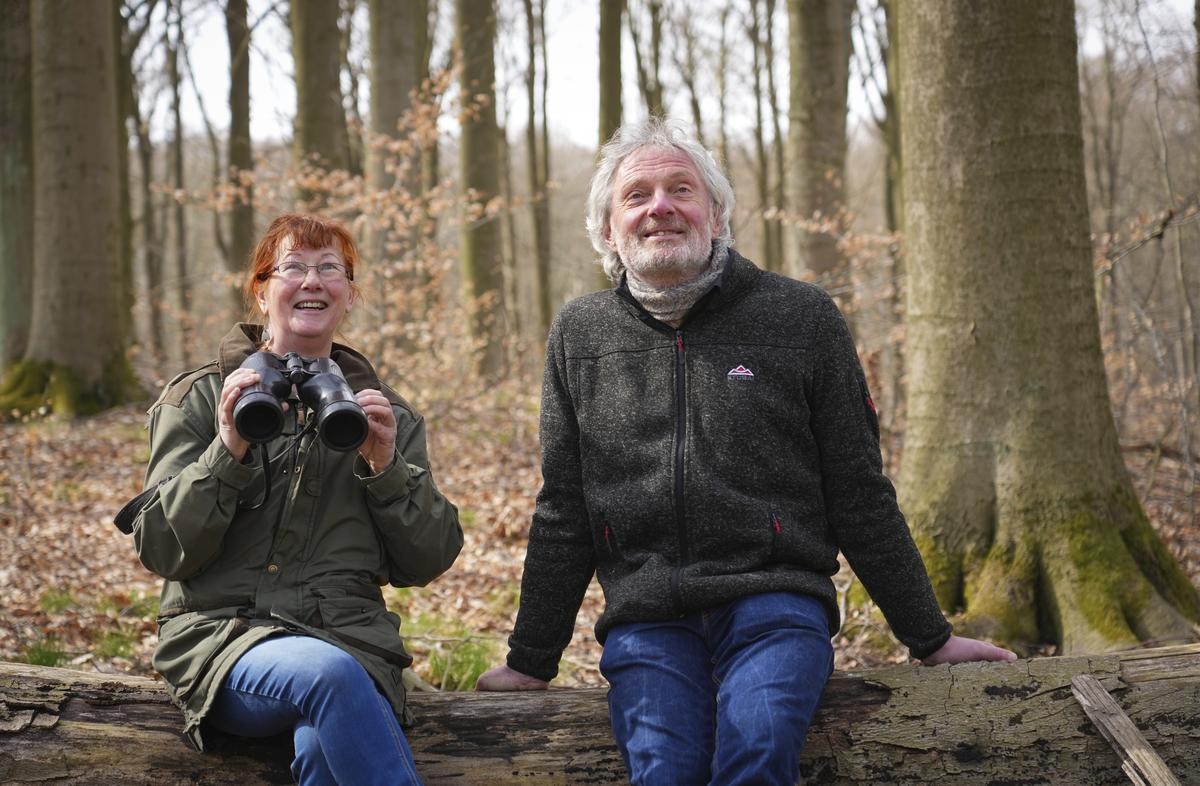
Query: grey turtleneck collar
x,y
671,304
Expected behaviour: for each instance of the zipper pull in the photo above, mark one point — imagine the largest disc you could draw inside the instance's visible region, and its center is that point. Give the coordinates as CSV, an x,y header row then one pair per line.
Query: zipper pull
x,y
775,523
679,341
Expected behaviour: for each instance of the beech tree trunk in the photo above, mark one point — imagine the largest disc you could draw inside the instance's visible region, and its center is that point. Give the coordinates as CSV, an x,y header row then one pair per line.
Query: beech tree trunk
x,y
480,250
819,57
537,159
16,180
319,136
1012,481
240,157
972,724
74,360
611,12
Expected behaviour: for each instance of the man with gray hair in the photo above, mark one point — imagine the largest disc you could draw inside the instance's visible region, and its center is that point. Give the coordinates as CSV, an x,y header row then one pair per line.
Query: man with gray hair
x,y
708,447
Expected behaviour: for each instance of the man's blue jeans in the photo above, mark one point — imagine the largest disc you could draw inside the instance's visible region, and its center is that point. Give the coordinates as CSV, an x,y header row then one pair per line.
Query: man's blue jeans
x,y
721,697
343,728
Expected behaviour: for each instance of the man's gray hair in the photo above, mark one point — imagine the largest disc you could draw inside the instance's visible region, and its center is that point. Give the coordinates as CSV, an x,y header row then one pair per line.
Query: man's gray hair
x,y
660,133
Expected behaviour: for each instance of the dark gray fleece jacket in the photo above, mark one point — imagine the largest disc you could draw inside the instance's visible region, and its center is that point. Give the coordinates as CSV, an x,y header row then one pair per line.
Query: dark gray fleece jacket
x,y
689,467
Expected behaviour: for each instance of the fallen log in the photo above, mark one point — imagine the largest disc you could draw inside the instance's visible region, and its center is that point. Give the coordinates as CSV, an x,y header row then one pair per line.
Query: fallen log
x,y
995,723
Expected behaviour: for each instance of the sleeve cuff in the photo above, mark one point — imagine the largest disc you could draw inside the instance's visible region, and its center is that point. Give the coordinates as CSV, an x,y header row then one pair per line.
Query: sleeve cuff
x,y
533,662
923,649
225,468
389,485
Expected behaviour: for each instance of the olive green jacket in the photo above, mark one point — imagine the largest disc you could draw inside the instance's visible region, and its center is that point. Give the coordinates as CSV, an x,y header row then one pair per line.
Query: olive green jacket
x,y
311,561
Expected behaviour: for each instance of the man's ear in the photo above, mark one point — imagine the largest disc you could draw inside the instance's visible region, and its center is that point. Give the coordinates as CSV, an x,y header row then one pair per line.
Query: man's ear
x,y
606,233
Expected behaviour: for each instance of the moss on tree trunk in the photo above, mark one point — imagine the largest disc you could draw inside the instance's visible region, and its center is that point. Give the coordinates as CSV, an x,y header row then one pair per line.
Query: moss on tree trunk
x,y
1013,480
36,387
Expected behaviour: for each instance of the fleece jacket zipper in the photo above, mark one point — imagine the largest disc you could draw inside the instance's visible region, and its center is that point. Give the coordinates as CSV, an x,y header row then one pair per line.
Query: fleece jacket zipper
x,y
680,437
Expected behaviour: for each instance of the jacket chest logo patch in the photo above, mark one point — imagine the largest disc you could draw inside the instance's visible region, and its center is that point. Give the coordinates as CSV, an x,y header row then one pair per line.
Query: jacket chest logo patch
x,y
741,372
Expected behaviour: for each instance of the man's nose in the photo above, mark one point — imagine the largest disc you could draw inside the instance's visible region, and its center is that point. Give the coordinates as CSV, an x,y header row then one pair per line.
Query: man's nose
x,y
661,203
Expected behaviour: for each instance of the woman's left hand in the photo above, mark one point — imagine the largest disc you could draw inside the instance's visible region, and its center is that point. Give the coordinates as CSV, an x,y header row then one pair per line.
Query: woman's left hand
x,y
380,444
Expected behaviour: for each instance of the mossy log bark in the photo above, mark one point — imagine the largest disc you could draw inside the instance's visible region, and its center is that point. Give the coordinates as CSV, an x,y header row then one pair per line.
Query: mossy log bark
x,y
994,723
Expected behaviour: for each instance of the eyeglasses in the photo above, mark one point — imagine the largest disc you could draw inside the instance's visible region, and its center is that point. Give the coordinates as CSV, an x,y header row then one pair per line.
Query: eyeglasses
x,y
298,271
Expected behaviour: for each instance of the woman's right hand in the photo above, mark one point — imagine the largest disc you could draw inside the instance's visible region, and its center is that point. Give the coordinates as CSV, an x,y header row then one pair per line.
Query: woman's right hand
x,y
231,391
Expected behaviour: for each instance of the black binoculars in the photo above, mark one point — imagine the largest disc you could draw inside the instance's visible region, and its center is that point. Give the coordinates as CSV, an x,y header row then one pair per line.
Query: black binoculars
x,y
320,385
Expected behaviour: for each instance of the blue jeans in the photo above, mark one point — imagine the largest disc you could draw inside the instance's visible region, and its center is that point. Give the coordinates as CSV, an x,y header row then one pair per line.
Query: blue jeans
x,y
724,696
343,728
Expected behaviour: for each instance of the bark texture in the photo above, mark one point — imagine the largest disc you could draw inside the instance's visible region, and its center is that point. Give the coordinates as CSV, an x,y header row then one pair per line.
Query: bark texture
x,y
479,170
320,135
240,157
1001,723
819,53
1012,481
16,180
74,356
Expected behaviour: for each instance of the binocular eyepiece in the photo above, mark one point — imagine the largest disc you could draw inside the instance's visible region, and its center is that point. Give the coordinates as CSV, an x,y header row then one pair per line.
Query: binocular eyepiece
x,y
258,413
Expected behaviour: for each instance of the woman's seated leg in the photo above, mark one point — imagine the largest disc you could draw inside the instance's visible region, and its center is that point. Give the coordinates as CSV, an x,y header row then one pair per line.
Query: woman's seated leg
x,y
343,727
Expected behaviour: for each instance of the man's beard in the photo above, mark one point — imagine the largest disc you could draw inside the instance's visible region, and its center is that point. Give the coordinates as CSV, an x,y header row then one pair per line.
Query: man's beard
x,y
684,260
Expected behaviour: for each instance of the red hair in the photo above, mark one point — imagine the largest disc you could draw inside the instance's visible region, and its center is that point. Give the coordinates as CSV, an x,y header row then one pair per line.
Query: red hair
x,y
304,231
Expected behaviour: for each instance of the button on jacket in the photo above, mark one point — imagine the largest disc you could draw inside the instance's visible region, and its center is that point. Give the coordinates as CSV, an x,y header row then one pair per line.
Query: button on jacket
x,y
312,560
689,467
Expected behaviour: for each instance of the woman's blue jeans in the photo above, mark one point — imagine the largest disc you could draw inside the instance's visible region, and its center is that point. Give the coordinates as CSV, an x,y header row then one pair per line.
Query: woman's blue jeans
x,y
724,696
344,730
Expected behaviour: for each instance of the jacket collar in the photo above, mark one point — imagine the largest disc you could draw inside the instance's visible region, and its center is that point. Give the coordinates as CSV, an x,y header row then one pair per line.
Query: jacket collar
x,y
245,338
739,274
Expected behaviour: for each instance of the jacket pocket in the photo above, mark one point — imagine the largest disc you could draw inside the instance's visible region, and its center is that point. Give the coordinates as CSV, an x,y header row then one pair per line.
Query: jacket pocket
x,y
781,536
364,625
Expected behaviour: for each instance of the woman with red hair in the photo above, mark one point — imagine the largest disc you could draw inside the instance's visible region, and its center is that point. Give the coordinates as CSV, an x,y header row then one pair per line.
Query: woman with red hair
x,y
271,618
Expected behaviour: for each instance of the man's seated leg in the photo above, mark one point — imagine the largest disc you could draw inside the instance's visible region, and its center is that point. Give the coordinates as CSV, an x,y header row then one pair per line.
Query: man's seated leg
x,y
772,657
662,700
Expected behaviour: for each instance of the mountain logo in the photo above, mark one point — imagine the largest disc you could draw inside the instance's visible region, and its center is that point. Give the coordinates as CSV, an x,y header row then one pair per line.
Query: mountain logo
x,y
741,372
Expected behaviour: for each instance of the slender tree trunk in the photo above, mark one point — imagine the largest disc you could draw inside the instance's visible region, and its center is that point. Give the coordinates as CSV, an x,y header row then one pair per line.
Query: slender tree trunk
x,y
687,63
1013,479
240,156
819,55
74,359
647,63
610,88
16,180
123,75
319,137
762,172
723,89
539,204
479,242
778,201
355,127
183,296
396,39
610,67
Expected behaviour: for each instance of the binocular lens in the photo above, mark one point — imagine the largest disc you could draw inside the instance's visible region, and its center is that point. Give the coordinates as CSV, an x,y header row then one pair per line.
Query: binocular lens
x,y
342,425
258,417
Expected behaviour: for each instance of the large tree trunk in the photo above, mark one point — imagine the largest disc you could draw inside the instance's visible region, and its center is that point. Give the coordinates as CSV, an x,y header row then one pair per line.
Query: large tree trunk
x,y
1012,481
16,180
479,169
969,724
319,136
240,157
75,355
819,54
